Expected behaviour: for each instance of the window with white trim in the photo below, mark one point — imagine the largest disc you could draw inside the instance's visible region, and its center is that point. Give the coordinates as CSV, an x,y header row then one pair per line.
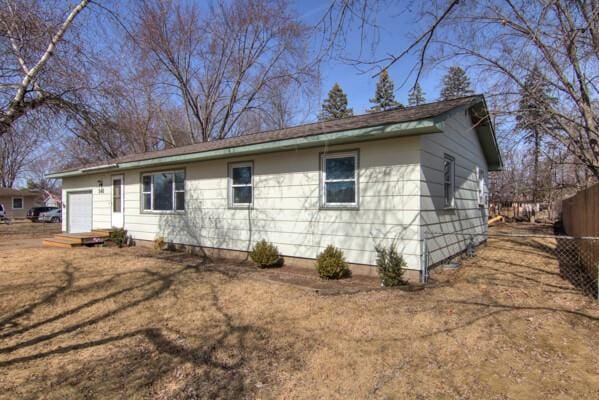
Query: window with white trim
x,y
480,179
163,191
449,181
241,180
17,203
339,182
117,204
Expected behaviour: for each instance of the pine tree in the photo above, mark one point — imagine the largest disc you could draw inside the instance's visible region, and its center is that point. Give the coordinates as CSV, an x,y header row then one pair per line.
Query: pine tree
x,y
455,84
416,96
335,105
533,118
384,98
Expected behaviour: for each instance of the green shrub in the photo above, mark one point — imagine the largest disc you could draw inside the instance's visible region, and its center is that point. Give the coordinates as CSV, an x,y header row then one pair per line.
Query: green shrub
x,y
390,265
266,254
331,264
118,237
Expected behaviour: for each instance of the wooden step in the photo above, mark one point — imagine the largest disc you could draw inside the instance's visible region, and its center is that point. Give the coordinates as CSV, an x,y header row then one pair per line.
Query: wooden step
x,y
68,238
82,238
103,232
55,242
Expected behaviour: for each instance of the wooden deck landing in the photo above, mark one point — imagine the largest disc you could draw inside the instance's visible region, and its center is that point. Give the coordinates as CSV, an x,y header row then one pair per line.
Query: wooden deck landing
x,y
68,240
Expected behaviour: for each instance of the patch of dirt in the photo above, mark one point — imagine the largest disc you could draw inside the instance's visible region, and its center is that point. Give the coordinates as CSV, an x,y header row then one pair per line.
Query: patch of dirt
x,y
136,323
525,228
298,277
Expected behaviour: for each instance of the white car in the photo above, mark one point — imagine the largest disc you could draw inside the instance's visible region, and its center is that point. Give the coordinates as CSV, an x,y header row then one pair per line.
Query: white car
x,y
51,216
2,214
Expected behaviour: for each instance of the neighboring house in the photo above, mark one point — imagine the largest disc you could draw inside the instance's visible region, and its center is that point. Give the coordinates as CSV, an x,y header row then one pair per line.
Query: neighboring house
x,y
50,199
393,177
17,202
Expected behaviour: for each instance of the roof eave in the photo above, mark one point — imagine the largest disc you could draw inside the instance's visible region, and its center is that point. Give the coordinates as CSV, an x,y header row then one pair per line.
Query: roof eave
x,y
417,127
486,135
479,114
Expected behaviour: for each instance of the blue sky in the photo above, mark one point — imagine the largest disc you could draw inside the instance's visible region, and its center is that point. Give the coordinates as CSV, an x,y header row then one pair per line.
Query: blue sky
x,y
396,31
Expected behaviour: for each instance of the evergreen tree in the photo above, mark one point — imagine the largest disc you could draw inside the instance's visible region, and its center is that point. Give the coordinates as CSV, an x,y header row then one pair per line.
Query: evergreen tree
x,y
455,84
335,105
384,98
416,95
533,118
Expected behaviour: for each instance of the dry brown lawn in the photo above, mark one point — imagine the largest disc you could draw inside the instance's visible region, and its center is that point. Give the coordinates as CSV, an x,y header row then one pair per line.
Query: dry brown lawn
x,y
135,323
27,230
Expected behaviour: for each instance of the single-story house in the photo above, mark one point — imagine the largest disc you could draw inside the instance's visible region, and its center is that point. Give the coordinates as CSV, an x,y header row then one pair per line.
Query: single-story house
x,y
414,177
17,202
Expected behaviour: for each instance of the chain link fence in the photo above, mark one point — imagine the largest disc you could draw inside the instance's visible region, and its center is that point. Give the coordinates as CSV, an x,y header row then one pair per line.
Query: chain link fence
x,y
573,259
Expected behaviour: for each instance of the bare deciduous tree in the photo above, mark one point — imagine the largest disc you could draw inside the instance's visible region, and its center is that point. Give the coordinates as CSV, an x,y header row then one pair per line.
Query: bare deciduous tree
x,y
224,64
17,152
123,114
502,40
29,40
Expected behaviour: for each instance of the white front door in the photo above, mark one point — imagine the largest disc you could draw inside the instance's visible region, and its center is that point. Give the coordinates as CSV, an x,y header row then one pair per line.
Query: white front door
x,y
118,204
79,209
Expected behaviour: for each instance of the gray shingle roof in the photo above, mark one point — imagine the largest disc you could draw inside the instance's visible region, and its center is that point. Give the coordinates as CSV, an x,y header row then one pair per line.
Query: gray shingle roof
x,y
17,193
408,114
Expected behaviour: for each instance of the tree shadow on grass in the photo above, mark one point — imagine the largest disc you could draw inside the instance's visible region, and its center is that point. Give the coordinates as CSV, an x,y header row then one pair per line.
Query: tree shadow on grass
x,y
10,321
220,362
544,257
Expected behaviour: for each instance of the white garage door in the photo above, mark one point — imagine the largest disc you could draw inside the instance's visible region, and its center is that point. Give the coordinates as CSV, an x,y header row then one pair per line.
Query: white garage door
x,y
79,212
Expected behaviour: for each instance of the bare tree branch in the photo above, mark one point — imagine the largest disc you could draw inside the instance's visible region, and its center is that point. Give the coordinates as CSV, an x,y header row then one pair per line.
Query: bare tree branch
x,y
19,105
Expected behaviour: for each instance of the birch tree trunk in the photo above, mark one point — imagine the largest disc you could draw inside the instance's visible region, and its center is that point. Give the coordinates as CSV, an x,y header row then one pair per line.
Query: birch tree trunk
x,y
29,93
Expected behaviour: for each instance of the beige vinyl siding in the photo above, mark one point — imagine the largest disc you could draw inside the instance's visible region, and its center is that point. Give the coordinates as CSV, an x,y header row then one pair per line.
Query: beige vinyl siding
x,y
400,200
18,213
439,225
101,198
286,205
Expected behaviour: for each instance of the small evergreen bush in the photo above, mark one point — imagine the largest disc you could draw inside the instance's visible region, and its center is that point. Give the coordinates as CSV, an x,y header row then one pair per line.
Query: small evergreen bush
x,y
331,264
390,266
119,237
265,254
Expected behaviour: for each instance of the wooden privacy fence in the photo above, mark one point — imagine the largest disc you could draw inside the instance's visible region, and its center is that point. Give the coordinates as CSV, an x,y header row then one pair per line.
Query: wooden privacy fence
x,y
580,213
580,216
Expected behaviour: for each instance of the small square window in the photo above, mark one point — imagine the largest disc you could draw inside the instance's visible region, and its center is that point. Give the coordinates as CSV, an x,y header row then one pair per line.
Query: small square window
x,y
241,178
17,203
339,185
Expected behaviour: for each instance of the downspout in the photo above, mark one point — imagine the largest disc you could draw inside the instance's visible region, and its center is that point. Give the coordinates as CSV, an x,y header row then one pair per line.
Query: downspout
x,y
423,260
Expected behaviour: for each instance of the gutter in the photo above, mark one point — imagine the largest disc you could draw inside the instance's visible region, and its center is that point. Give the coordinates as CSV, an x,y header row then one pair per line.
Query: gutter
x,y
418,127
106,166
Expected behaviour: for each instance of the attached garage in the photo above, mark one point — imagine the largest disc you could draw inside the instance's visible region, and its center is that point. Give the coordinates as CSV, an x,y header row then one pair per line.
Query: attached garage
x,y
79,212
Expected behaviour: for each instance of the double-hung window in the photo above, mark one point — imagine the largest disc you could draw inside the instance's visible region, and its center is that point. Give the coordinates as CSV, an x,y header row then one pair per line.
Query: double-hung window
x,y
241,179
449,181
163,191
339,180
